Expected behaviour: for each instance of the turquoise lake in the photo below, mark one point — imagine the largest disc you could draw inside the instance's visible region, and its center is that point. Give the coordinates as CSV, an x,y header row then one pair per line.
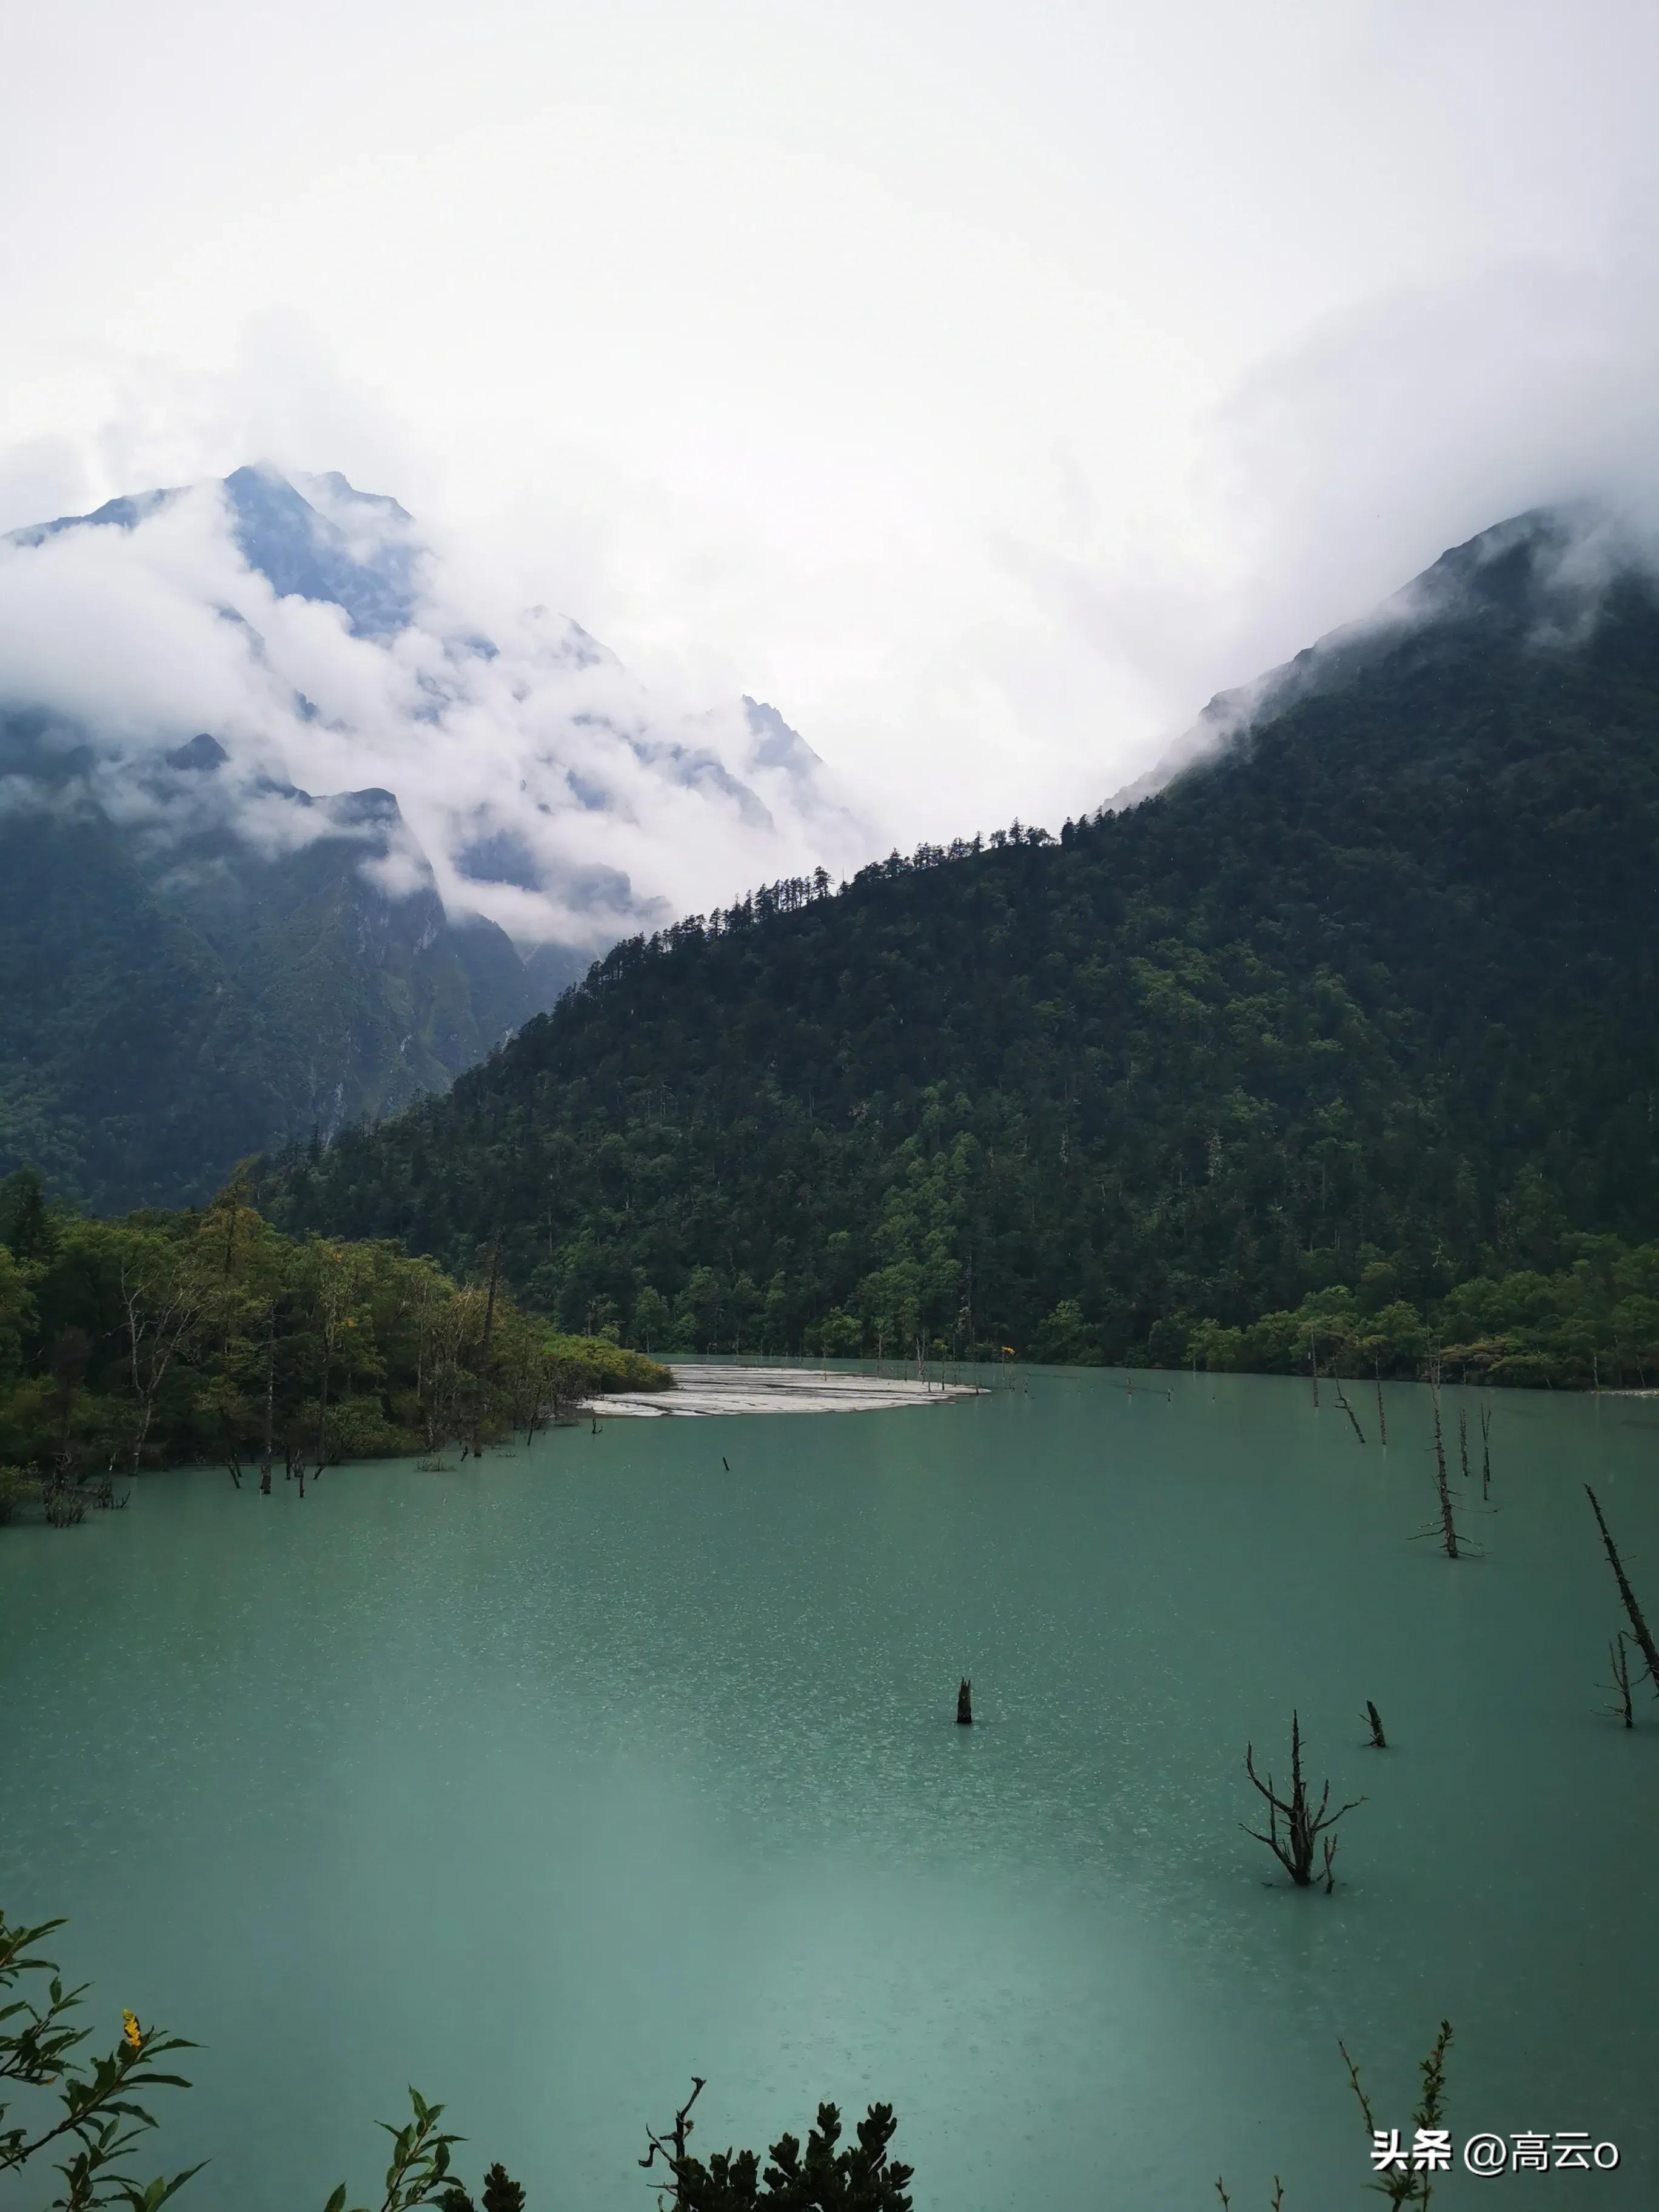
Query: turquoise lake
x,y
548,1782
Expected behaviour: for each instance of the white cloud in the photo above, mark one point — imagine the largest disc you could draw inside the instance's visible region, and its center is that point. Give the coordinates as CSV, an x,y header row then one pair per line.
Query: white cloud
x,y
549,788
985,385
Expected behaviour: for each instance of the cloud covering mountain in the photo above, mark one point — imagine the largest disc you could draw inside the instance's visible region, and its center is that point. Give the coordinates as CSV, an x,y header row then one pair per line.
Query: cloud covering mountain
x,y
310,632
1543,574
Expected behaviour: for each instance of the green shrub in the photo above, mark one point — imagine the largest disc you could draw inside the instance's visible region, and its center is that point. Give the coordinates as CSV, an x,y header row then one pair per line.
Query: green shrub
x,y
597,1365
16,1488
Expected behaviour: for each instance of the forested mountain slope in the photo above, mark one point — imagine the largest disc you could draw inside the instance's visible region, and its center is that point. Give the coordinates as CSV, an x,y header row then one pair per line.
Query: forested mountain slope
x,y
199,958
168,1004
1366,1001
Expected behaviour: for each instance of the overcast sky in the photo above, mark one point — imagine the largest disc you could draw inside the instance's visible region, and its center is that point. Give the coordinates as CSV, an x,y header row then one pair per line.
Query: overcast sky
x,y
983,384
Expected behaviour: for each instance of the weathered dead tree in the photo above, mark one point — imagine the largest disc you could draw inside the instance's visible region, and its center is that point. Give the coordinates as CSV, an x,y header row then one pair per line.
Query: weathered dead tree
x,y
1643,1634
161,1308
1463,1439
1382,1418
1378,1740
1448,1525
1303,1836
965,1704
1313,1366
1620,1683
1342,1400
1485,1451
671,2146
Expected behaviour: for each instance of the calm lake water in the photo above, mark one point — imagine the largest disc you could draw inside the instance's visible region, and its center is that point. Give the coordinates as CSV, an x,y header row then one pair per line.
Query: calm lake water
x,y
549,1783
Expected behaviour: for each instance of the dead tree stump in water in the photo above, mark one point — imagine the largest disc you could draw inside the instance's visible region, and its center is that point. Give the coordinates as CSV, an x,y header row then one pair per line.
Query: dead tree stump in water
x,y
1305,1823
965,1704
1379,1741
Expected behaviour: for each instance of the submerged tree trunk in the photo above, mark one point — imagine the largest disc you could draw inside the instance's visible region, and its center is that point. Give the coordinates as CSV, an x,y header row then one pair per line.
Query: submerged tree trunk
x,y
1448,1525
1643,1634
1342,1400
965,1704
1621,1658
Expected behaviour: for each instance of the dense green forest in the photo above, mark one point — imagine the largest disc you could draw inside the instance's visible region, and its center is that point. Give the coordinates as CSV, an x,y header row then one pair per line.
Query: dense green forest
x,y
172,1000
1345,1043
209,1336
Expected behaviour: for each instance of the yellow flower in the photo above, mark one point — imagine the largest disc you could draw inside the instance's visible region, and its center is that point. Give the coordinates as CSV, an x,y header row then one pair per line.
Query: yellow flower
x,y
131,2029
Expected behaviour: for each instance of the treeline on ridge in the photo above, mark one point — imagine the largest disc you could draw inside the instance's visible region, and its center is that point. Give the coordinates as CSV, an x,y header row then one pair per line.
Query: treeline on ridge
x,y
1353,1026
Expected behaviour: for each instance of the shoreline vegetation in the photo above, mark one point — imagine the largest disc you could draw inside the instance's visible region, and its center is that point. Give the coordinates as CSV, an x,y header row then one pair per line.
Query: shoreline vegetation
x,y
211,1336
208,1336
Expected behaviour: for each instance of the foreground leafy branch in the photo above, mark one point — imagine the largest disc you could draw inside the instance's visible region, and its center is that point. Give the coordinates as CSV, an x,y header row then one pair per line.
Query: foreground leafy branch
x,y
1405,2164
1405,2174
419,2172
40,2049
859,2178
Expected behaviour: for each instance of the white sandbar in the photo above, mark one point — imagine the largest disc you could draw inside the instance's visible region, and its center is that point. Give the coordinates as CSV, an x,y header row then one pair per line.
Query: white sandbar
x,y
777,1390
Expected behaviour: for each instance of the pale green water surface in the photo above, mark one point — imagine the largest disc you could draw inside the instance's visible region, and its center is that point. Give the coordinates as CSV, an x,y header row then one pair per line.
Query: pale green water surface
x,y
548,1782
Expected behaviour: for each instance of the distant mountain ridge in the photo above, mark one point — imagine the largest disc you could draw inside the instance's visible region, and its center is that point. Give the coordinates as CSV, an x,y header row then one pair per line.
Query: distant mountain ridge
x,y
318,539
297,542
198,956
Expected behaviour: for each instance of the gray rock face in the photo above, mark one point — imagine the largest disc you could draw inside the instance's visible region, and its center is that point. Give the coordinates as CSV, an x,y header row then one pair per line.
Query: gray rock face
x,y
295,545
